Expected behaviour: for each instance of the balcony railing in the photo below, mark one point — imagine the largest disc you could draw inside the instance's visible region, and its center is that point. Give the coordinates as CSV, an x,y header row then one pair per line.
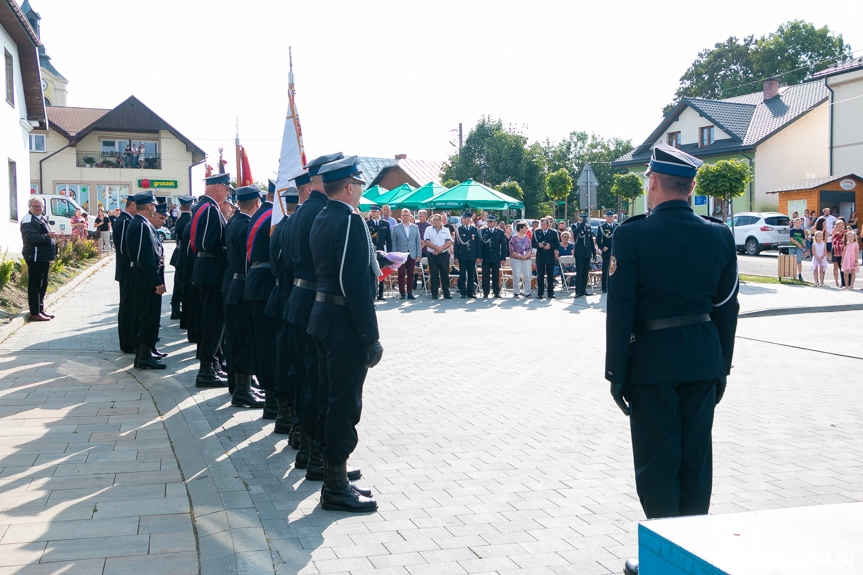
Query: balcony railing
x,y
119,160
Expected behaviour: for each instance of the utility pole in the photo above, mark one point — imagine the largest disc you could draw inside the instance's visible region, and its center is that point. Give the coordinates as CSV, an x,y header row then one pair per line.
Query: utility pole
x,y
460,141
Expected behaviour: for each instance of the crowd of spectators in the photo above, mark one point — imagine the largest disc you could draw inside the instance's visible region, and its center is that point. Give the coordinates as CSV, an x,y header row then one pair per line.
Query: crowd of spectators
x,y
830,241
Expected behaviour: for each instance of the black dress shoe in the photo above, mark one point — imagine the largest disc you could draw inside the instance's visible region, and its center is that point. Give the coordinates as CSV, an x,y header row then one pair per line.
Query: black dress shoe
x,y
381,298
175,315
39,317
551,297
411,296
447,297
578,295
402,296
155,351
631,567
49,316
339,495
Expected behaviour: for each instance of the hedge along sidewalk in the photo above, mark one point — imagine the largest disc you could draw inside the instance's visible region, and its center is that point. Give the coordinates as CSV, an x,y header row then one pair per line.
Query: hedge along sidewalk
x,y
56,296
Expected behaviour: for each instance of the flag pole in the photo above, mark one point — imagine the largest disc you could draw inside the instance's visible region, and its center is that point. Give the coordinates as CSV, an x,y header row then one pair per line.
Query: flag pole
x,y
240,175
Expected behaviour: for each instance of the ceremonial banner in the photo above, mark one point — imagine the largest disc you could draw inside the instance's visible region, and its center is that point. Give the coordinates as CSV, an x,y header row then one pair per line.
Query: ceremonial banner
x,y
293,156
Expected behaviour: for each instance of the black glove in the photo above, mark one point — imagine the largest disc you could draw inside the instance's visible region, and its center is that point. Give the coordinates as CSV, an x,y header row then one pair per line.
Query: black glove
x,y
621,396
720,389
375,351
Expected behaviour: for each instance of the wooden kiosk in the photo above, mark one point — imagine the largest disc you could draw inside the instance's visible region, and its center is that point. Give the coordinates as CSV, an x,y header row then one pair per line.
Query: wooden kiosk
x,y
842,193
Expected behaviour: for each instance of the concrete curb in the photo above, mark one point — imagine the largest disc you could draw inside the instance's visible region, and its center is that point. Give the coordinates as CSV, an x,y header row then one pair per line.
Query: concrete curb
x,y
800,310
19,320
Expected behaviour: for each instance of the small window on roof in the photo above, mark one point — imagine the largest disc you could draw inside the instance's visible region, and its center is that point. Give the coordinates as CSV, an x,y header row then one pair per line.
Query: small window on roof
x,y
705,136
673,139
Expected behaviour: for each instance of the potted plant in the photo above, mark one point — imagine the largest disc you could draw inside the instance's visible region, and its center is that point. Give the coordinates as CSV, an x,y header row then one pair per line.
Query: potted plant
x,y
89,161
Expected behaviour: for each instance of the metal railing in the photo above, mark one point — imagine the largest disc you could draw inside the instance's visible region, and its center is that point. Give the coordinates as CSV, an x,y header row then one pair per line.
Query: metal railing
x,y
118,160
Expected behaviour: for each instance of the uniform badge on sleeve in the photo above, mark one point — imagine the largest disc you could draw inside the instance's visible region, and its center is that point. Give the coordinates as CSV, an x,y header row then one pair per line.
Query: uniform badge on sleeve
x,y
612,266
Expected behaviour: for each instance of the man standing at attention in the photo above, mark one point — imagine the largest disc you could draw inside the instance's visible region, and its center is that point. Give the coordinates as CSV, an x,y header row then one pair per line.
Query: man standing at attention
x,y
406,239
39,251
545,241
381,234
604,239
178,257
670,330
493,255
467,251
438,241
124,310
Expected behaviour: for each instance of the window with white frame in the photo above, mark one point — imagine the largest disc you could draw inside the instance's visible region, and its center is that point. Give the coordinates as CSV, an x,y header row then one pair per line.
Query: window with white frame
x,y
10,79
37,142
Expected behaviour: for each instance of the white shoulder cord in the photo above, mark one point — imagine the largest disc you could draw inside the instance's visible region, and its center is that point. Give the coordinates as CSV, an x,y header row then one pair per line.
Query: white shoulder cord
x,y
344,253
734,289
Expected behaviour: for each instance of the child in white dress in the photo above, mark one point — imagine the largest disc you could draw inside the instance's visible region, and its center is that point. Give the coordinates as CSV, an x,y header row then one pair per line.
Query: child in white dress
x,y
819,259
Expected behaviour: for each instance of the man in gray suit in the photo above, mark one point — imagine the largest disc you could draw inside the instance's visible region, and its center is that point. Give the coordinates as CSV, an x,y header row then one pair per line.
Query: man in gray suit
x,y
406,239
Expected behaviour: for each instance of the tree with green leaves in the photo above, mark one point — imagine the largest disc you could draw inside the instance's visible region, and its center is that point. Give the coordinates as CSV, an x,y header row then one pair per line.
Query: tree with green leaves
x,y
735,67
511,189
627,187
557,186
450,184
724,180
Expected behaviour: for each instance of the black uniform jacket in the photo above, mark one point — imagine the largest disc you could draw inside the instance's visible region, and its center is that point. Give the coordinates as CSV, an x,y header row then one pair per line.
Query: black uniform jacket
x,y
342,268
467,243
259,280
277,302
494,245
38,245
382,235
301,299
208,237
605,236
672,263
545,256
236,233
142,245
179,252
121,270
582,241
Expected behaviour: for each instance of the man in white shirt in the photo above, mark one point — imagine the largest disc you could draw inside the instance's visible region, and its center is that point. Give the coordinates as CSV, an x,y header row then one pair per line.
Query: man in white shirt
x,y
438,240
406,239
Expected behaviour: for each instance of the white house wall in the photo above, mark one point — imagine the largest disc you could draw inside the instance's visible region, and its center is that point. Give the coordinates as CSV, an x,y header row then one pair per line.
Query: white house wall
x,y
799,151
847,122
688,124
14,146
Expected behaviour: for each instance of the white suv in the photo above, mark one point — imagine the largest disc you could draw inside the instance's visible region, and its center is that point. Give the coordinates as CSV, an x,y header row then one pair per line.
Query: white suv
x,y
756,231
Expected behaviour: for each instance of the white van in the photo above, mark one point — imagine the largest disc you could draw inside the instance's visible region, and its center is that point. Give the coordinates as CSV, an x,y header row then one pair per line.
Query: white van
x,y
59,211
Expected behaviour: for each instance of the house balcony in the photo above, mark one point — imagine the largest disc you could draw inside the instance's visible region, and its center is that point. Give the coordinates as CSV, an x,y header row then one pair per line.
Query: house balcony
x,y
118,160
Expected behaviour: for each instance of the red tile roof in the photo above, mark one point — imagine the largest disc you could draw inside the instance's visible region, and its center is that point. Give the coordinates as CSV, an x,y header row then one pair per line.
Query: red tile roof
x,y
73,120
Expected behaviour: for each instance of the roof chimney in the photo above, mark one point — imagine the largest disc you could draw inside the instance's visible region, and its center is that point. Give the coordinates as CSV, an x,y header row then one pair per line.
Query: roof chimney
x,y
401,156
771,88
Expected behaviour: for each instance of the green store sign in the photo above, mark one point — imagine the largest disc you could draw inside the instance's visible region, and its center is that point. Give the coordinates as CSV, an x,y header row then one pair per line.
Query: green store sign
x,y
153,184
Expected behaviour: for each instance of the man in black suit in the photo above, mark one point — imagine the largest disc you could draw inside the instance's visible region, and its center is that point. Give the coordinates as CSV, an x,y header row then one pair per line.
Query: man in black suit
x,y
242,356
584,249
467,250
145,279
121,272
604,243
344,327
670,326
207,239
287,421
382,239
493,255
39,250
545,241
191,307
259,286
178,258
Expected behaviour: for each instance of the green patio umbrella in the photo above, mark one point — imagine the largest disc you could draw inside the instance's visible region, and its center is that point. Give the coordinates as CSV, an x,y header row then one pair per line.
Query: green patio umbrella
x,y
471,194
365,204
430,190
373,192
392,196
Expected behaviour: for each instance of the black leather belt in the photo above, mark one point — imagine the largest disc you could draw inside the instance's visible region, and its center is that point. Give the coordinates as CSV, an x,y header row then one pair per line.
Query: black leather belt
x,y
134,264
259,265
239,276
305,284
330,298
204,255
669,322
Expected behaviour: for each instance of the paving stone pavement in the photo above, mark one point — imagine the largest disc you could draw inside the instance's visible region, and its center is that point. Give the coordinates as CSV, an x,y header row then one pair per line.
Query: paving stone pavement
x,y
488,437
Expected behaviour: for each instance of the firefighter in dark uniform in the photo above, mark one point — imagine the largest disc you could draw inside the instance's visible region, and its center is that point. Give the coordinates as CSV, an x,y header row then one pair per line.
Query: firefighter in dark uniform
x,y
584,249
146,280
158,221
345,329
545,241
382,238
604,242
277,304
670,326
121,272
225,367
241,358
467,245
300,306
493,255
191,306
178,258
207,239
259,286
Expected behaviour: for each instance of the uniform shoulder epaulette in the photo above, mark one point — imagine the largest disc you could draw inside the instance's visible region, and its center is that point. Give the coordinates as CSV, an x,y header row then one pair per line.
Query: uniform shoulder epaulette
x,y
631,219
712,219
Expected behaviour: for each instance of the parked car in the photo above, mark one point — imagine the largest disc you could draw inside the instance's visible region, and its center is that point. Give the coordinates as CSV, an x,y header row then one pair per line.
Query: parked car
x,y
165,233
757,231
59,211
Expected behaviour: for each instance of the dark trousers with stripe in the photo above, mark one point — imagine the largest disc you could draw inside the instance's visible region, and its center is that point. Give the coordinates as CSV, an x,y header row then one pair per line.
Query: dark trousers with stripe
x,y
146,309
307,379
212,323
264,330
340,397
286,372
124,318
672,446
37,286
582,270
490,277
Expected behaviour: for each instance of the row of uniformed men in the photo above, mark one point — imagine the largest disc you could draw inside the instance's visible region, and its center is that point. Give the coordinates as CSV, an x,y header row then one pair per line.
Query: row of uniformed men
x,y
293,306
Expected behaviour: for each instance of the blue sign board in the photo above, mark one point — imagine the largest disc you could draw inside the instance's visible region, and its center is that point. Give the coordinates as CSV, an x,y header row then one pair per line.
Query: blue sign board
x,y
700,200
